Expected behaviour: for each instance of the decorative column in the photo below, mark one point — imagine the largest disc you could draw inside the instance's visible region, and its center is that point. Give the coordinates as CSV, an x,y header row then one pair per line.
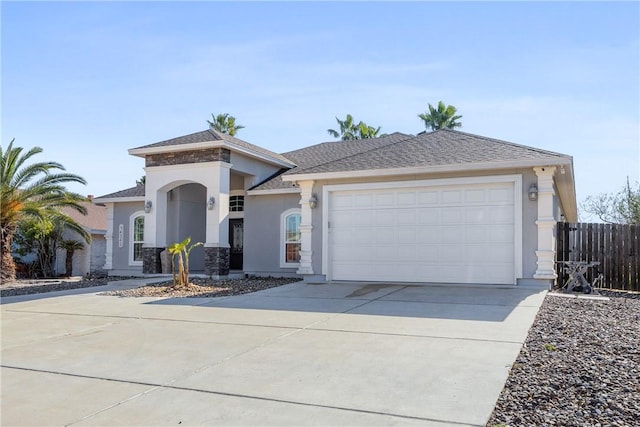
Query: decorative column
x,y
306,191
546,223
108,262
216,248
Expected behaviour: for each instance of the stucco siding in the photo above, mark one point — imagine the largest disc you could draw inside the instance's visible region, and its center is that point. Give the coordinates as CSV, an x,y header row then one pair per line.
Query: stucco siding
x,y
262,216
121,217
249,166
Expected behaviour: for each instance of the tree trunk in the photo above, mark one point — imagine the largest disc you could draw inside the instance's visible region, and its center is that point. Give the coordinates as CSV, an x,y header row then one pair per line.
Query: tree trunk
x,y
68,264
7,264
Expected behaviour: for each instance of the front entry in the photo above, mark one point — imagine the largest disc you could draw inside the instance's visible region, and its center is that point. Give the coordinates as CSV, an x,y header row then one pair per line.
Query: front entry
x,y
236,236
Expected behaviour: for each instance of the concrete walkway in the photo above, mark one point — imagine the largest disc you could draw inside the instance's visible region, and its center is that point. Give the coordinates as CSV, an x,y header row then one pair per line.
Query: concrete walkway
x,y
337,354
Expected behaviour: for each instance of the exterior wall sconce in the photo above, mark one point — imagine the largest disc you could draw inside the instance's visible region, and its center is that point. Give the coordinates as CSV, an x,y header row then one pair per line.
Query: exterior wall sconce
x,y
313,201
211,203
147,206
533,192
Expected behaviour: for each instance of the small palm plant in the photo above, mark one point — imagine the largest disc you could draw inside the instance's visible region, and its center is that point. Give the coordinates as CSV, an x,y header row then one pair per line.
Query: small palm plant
x,y
181,250
70,246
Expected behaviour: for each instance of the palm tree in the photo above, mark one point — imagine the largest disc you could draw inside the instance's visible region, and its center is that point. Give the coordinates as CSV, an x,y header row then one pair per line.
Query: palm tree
x,y
35,190
442,117
350,130
70,246
224,123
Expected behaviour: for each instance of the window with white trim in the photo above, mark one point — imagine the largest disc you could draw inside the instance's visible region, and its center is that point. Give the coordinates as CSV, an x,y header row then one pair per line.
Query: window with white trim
x,y
137,238
290,238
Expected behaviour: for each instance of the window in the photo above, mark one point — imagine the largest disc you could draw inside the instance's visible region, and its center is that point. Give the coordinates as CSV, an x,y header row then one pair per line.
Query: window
x,y
137,238
236,204
290,249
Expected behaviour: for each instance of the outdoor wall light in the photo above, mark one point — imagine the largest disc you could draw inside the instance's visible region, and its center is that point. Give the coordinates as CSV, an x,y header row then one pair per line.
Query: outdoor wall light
x,y
211,203
147,206
533,192
313,201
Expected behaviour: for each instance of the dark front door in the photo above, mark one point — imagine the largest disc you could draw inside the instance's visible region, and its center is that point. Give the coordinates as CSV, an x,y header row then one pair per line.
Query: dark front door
x,y
236,236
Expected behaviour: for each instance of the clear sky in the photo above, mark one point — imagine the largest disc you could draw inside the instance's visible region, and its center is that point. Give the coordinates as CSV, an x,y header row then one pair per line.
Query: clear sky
x,y
88,80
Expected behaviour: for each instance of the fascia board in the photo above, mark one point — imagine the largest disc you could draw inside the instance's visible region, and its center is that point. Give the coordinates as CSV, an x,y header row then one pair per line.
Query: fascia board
x,y
119,199
292,190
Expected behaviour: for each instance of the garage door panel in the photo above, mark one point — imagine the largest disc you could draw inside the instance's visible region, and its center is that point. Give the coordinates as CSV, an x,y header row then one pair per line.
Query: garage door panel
x,y
448,234
474,196
428,197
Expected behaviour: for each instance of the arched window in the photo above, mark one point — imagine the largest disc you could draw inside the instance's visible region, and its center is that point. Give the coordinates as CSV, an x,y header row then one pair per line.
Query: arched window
x,y
137,238
290,238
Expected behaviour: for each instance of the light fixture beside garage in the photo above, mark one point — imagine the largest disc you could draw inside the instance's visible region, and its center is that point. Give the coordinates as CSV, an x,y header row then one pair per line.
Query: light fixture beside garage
x,y
533,192
211,203
313,201
147,206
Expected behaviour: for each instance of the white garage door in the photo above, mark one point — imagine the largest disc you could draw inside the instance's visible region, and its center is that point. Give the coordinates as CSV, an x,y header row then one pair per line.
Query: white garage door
x,y
446,234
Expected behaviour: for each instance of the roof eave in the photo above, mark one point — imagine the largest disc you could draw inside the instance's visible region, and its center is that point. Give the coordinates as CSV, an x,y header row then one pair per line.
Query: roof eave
x,y
119,199
457,167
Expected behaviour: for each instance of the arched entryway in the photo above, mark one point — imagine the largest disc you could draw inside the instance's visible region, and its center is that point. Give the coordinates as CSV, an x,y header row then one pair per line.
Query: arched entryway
x,y
186,217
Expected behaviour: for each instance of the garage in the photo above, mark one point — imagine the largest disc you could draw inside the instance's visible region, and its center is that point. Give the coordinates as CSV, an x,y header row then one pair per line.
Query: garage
x,y
464,230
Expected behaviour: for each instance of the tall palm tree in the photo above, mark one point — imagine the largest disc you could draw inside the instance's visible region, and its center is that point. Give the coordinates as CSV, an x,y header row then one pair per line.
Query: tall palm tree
x,y
70,246
31,190
224,123
442,117
350,130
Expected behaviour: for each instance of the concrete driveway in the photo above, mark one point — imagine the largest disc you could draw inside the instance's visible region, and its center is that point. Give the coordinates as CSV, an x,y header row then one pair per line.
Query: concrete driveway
x,y
335,354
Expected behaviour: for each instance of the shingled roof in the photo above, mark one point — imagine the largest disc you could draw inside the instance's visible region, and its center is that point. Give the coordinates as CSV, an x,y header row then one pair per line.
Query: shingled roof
x,y
326,153
137,191
211,135
440,148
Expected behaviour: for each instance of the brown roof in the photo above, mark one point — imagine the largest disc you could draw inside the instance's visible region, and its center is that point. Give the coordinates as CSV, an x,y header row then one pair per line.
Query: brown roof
x,y
95,219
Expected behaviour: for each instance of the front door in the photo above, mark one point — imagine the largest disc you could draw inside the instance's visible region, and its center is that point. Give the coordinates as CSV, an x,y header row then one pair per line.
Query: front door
x,y
236,236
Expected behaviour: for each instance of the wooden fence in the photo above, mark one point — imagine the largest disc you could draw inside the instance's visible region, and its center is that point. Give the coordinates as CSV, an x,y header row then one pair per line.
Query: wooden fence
x,y
615,246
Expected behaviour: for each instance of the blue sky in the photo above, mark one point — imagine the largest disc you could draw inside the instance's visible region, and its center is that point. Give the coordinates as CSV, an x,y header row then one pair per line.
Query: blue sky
x,y
88,80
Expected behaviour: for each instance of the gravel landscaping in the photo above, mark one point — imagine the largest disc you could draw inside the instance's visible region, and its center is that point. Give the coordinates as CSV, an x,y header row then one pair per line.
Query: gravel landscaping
x,y
204,288
580,366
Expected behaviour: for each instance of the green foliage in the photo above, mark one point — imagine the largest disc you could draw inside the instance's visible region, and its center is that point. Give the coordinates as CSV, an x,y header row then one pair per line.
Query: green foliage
x,y
444,116
622,207
33,190
70,246
181,250
350,130
224,123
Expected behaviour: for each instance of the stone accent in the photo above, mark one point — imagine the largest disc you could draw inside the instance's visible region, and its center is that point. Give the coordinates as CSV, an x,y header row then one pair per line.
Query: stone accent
x,y
151,263
218,154
216,261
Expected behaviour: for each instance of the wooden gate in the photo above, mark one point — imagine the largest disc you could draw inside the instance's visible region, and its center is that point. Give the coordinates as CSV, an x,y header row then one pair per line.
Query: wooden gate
x,y
615,246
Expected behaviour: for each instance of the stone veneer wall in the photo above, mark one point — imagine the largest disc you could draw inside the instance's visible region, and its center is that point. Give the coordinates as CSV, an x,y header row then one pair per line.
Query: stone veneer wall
x,y
151,263
216,261
218,154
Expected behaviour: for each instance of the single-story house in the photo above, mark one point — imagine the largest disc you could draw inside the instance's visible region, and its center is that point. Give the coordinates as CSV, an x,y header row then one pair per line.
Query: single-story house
x,y
440,207
91,259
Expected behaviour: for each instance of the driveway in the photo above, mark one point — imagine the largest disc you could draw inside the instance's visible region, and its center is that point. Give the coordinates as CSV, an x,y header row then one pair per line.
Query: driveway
x,y
333,354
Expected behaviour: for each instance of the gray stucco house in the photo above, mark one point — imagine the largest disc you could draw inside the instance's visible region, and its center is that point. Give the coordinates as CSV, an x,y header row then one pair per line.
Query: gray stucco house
x,y
441,207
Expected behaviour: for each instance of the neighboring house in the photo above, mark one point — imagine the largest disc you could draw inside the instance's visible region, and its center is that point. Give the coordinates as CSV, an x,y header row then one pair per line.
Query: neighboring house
x,y
443,207
92,258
